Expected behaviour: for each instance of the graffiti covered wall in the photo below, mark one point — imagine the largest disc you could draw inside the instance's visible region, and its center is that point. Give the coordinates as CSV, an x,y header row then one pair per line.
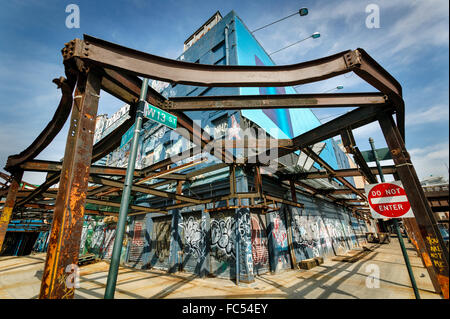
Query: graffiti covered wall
x,y
194,246
161,242
260,244
223,234
278,241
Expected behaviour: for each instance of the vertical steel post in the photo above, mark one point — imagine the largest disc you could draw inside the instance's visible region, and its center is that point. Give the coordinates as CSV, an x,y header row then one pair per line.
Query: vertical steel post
x,y
405,256
377,161
5,215
125,201
436,251
397,229
64,242
289,226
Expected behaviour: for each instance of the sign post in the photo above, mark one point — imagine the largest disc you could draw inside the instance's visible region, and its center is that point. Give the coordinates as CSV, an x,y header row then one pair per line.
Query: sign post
x,y
125,201
388,200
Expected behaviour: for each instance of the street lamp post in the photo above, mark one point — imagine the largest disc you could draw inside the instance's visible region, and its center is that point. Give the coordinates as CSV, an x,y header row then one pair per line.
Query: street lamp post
x,y
339,87
302,12
315,35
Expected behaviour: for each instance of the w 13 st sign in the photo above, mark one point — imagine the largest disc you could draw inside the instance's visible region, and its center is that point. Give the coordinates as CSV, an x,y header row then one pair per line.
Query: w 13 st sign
x,y
388,200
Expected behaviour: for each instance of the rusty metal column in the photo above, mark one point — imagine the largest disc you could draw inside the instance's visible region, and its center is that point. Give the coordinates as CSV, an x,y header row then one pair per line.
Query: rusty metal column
x,y
289,226
65,236
436,250
5,215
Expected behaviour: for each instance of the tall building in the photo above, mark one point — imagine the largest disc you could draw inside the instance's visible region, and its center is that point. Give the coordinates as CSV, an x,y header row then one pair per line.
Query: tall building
x,y
202,238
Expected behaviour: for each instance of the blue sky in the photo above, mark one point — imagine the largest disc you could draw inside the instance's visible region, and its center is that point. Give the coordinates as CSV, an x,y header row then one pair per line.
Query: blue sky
x,y
412,43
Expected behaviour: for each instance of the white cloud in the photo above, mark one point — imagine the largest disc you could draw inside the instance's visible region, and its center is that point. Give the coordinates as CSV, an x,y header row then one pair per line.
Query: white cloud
x,y
431,160
437,113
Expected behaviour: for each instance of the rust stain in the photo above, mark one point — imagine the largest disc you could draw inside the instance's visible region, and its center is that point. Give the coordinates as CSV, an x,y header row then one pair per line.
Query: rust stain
x,y
443,281
426,259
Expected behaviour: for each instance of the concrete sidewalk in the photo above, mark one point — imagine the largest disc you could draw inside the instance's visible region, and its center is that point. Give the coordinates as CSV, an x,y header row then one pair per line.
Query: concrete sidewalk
x,y
20,278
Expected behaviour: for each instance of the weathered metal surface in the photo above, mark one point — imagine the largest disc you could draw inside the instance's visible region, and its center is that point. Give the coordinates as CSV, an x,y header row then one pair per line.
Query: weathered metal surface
x,y
323,164
436,251
6,213
345,172
142,189
243,102
52,166
53,127
351,120
67,224
412,231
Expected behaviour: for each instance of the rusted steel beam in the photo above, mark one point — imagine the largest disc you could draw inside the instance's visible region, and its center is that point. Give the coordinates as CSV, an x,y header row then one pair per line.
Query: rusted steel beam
x,y
65,236
251,143
40,190
187,128
52,166
142,189
53,127
436,251
205,170
170,173
284,201
243,102
349,143
110,55
412,230
309,152
351,120
6,213
345,172
114,204
50,209
369,70
6,177
365,169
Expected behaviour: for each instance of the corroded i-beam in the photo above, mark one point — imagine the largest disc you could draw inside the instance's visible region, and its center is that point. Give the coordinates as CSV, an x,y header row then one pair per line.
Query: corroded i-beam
x,y
98,64
64,242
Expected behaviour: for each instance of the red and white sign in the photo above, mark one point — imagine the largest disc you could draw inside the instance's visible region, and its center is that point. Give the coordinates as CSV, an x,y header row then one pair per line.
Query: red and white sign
x,y
388,200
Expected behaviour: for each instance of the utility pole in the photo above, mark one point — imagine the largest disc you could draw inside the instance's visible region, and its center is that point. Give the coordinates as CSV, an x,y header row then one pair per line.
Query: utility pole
x,y
123,212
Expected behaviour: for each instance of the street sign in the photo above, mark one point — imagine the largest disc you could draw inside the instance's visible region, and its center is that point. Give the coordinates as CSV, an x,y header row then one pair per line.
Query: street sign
x,y
127,136
155,114
382,154
388,200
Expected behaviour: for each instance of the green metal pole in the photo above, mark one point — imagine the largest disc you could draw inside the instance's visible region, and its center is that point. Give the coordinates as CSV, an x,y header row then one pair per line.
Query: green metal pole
x,y
397,228
120,230
375,155
405,255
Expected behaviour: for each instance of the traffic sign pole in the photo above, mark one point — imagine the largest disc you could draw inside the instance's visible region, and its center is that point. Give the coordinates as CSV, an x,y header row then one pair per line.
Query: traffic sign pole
x,y
123,212
397,228
405,256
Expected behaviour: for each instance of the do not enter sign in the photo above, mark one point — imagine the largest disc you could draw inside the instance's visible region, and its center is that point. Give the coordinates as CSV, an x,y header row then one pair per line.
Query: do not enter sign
x,y
388,200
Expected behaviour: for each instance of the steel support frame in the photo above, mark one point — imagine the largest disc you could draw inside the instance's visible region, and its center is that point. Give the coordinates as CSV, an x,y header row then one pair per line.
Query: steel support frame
x,y
436,253
5,215
126,87
65,236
